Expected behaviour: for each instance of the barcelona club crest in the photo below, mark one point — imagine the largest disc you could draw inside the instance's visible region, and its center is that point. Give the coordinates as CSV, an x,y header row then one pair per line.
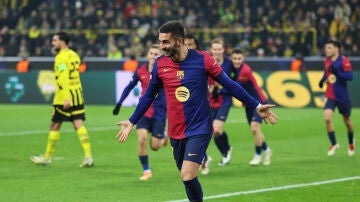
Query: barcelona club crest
x,y
180,75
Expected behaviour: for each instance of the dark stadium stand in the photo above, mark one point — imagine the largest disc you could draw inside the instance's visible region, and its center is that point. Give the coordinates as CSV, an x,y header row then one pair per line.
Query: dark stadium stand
x,y
279,27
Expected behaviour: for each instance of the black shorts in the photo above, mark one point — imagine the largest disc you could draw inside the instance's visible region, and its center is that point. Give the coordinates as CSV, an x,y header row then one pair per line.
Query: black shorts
x,y
59,114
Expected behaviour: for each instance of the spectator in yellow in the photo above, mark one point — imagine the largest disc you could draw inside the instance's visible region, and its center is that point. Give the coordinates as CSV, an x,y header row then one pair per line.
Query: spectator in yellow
x,y
337,27
114,53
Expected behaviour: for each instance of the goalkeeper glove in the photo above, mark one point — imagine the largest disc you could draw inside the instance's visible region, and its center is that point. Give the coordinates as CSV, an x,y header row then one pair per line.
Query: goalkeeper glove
x,y
116,109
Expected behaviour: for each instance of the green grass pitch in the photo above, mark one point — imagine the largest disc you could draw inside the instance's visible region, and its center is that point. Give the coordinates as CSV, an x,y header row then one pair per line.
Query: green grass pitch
x,y
300,158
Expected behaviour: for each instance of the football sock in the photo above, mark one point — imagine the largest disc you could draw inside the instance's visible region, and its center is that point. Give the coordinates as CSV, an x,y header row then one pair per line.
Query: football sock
x,y
332,137
258,150
193,190
144,160
222,142
351,137
264,146
219,144
53,139
84,140
226,142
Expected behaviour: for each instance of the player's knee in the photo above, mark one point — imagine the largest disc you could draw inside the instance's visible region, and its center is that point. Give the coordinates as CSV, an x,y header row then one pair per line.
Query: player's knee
x,y
155,147
254,129
186,176
327,120
142,141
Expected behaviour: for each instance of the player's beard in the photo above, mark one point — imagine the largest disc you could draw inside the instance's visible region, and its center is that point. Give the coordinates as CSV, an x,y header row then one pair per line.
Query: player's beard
x,y
172,51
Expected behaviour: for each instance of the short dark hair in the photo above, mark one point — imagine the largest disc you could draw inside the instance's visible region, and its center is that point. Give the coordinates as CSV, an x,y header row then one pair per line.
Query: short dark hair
x,y
176,28
334,43
190,36
63,36
237,51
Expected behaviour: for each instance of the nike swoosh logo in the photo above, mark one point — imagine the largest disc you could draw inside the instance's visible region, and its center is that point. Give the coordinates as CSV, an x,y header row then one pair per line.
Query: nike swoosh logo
x,y
166,69
191,154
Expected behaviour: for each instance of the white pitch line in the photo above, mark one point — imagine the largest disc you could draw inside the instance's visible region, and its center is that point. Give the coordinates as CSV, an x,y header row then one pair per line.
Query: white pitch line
x,y
37,132
276,188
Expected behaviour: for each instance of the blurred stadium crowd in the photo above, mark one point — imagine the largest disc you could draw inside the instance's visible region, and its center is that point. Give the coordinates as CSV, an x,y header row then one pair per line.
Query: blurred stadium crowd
x,y
120,28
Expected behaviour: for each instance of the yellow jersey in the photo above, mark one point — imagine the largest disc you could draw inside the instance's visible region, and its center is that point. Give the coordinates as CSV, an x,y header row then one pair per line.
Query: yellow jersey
x,y
68,84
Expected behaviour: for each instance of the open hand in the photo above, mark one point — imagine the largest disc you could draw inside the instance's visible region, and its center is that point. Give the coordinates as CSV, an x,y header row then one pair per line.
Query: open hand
x,y
126,127
265,112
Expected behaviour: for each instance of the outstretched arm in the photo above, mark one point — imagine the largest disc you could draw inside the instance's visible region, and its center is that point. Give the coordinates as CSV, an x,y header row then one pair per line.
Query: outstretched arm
x,y
144,102
125,93
236,90
240,93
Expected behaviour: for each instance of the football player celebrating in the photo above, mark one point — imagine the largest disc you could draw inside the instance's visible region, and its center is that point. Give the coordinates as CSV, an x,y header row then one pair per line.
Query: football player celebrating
x,y
244,76
337,72
183,74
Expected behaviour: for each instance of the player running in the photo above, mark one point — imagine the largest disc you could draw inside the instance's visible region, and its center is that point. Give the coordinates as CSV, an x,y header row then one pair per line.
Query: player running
x,y
244,76
154,119
337,72
220,102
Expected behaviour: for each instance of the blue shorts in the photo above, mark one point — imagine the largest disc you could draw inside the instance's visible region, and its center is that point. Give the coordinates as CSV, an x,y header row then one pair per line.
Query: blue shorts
x,y
191,149
343,107
156,127
252,115
220,113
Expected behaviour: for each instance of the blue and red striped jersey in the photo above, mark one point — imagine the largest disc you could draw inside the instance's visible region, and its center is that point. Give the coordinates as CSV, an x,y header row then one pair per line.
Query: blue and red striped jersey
x,y
186,87
337,82
224,98
158,109
244,76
